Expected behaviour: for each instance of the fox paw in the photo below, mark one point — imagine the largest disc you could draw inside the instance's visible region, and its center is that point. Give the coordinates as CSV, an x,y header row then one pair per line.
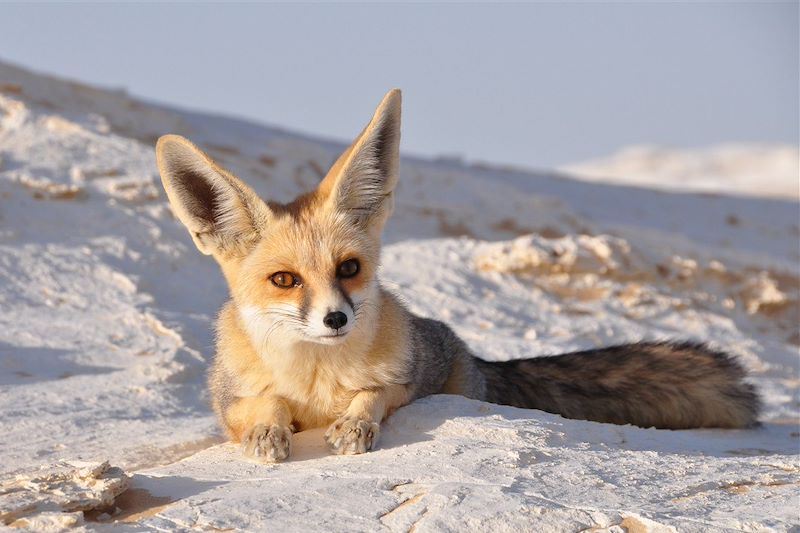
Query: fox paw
x,y
349,436
269,444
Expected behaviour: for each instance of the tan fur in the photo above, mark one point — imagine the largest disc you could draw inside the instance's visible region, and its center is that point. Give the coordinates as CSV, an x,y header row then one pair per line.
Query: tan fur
x,y
248,412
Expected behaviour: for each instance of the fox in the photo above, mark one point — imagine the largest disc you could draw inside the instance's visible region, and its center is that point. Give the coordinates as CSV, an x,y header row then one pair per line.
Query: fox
x,y
311,338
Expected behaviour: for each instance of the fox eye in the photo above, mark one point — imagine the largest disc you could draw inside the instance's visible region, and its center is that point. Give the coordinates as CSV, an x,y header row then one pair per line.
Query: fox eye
x,y
348,269
284,280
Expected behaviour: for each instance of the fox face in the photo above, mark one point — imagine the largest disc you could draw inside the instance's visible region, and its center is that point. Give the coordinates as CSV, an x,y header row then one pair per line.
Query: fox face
x,y
309,280
302,273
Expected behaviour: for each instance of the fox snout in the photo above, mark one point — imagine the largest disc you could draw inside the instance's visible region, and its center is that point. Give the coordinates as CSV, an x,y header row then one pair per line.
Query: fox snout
x,y
331,319
335,320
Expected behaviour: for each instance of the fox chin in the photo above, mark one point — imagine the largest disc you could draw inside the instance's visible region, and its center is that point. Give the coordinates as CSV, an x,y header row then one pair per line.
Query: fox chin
x,y
309,337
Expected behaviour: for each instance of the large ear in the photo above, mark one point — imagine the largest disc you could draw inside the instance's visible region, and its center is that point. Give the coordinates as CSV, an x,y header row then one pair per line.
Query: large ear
x,y
222,214
361,182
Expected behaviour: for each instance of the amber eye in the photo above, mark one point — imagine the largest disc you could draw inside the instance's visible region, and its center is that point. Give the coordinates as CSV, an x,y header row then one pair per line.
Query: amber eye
x,y
284,280
348,269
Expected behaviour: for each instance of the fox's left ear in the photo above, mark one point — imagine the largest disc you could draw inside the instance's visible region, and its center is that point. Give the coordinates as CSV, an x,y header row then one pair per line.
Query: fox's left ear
x,y
361,182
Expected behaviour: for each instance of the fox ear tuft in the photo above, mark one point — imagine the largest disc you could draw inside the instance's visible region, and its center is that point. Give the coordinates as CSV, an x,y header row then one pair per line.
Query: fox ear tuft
x,y
362,181
222,214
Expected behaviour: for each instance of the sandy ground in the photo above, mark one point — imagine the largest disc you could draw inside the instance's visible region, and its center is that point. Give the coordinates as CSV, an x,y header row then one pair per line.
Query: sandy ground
x,y
106,313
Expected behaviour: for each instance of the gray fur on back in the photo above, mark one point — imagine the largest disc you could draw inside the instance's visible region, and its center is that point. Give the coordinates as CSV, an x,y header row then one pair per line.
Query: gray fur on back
x,y
441,362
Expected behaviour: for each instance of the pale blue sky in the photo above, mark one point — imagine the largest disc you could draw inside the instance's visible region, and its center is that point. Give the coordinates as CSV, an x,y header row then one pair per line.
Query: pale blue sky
x,y
528,84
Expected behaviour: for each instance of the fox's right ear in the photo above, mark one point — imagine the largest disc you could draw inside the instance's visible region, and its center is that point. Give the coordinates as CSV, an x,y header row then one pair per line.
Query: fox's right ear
x,y
223,215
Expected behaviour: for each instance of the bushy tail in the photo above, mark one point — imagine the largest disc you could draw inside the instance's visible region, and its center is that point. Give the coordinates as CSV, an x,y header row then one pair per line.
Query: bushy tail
x,y
664,385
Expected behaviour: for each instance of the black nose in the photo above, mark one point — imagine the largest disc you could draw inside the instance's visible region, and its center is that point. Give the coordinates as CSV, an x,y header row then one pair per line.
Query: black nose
x,y
335,320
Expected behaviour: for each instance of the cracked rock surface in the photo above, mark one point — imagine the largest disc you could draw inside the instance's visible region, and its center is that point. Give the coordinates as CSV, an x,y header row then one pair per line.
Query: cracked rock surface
x,y
56,496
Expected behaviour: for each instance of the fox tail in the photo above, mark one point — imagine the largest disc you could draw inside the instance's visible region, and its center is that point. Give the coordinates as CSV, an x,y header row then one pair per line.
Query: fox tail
x,y
650,384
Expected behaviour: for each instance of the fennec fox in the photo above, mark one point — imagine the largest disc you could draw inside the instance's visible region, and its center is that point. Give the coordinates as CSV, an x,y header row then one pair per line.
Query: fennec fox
x,y
310,339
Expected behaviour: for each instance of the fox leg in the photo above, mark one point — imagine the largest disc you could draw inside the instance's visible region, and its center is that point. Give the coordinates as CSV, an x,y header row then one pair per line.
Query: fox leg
x,y
263,425
357,430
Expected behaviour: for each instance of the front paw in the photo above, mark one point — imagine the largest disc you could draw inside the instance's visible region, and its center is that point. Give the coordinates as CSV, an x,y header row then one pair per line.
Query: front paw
x,y
268,443
349,436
